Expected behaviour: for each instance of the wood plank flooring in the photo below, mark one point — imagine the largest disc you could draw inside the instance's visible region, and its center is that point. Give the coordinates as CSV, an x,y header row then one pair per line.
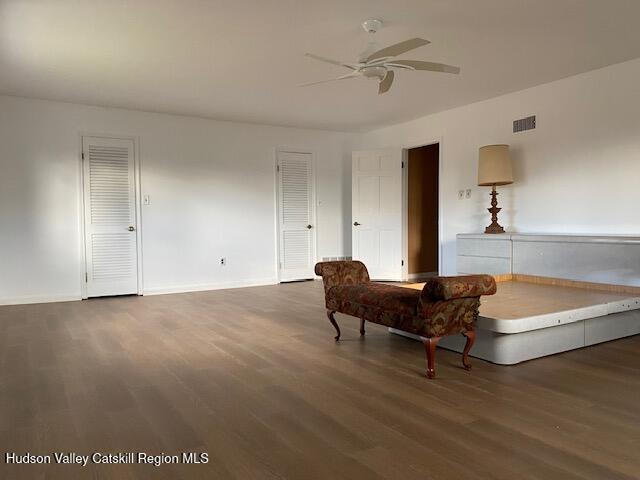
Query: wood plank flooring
x,y
253,377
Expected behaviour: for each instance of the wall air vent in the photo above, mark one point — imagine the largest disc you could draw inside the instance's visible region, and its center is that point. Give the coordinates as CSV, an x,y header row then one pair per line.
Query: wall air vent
x,y
524,124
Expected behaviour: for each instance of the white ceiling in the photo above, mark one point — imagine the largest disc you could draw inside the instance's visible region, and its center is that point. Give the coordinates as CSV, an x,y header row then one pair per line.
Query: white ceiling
x,y
242,59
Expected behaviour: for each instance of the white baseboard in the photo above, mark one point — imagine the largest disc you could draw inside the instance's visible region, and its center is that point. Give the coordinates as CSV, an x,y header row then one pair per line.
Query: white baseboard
x,y
256,282
30,299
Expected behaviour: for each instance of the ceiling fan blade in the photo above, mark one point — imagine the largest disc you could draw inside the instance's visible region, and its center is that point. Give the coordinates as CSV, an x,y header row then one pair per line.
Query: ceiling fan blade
x,y
328,60
385,83
429,66
343,77
398,48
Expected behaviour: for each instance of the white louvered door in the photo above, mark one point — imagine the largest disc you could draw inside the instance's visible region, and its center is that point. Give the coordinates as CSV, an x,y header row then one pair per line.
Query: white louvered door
x,y
296,216
110,216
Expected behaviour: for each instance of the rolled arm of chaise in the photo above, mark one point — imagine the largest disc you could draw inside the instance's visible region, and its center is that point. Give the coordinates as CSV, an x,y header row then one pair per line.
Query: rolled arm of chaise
x,y
449,305
344,272
464,286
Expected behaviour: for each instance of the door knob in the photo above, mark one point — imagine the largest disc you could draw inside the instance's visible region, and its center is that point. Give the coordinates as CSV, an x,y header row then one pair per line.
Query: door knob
x,y
355,224
132,229
309,227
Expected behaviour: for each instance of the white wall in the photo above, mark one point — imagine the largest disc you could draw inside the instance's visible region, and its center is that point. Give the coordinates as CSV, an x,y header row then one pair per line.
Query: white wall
x,y
212,185
212,195
578,172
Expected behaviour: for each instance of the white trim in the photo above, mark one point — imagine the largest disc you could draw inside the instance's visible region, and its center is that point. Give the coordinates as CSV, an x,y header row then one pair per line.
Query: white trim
x,y
405,205
276,216
137,167
28,299
314,199
255,282
404,240
81,219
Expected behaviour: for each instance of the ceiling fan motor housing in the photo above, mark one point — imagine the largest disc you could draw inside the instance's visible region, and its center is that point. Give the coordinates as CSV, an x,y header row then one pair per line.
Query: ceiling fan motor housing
x,y
371,26
374,72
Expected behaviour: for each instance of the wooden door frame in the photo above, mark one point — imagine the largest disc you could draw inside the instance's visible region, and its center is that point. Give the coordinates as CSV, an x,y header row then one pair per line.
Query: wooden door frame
x,y
314,212
405,204
82,207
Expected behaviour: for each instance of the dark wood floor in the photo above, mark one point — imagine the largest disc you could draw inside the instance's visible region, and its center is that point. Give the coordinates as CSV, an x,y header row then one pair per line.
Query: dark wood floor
x,y
253,377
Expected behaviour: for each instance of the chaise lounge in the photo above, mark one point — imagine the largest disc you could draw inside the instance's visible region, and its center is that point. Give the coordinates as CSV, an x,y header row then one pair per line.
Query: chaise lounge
x,y
445,306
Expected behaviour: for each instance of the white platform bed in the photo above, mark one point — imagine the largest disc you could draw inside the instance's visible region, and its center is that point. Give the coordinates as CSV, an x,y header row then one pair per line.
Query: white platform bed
x,y
555,293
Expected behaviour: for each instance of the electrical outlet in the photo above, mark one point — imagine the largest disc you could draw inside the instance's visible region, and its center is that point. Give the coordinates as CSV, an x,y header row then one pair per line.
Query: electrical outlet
x,y
223,261
460,194
467,193
147,199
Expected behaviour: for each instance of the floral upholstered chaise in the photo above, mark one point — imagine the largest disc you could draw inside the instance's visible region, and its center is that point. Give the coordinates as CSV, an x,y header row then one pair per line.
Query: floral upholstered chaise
x,y
445,306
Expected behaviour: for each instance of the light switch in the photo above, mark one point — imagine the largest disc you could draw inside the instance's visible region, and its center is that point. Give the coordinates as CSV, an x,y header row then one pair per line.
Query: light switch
x,y
147,199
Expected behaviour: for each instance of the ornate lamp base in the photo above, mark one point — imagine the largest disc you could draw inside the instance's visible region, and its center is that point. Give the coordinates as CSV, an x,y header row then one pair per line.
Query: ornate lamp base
x,y
495,227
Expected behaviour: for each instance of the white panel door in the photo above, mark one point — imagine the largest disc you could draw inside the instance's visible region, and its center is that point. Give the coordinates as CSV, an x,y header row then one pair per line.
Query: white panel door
x,y
377,212
110,216
296,216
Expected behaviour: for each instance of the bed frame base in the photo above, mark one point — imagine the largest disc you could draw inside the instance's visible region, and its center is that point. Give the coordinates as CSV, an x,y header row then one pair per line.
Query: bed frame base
x,y
513,348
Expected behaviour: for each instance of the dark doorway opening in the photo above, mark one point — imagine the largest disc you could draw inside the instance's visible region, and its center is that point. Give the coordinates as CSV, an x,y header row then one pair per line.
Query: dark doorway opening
x,y
423,211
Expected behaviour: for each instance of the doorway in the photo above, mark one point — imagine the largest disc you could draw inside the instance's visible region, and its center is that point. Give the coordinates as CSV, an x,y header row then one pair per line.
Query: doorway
x,y
111,238
377,212
423,248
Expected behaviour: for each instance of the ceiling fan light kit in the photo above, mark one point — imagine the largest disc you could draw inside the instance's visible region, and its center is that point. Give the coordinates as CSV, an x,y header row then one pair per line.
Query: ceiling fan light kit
x,y
379,64
372,26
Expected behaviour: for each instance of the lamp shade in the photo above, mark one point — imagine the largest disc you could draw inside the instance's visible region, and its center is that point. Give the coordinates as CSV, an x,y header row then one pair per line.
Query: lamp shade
x,y
494,166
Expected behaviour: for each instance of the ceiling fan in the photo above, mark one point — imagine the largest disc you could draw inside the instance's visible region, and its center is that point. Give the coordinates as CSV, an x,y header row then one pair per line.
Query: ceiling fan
x,y
376,63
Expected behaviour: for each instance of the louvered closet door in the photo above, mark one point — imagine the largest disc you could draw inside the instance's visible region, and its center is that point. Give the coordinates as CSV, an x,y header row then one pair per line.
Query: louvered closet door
x,y
296,216
110,216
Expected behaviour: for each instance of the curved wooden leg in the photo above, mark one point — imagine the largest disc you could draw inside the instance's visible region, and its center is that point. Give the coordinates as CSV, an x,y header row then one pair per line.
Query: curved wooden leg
x,y
334,323
430,345
471,337
362,332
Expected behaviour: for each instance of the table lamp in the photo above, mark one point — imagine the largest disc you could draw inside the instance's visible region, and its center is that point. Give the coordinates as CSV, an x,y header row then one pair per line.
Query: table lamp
x,y
494,168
